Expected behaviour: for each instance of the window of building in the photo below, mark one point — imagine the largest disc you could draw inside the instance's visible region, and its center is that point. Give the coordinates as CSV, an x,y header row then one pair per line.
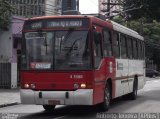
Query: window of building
x,y
107,44
31,1
16,12
35,2
35,10
39,10
43,1
58,2
27,10
116,45
23,1
20,1
20,11
24,10
42,10
32,10
69,4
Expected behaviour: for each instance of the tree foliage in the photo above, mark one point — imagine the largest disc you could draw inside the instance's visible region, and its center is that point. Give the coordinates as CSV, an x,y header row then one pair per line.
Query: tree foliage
x,y
149,9
136,8
5,10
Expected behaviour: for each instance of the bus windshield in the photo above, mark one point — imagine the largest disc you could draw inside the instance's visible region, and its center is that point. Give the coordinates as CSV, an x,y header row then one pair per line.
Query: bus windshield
x,y
56,50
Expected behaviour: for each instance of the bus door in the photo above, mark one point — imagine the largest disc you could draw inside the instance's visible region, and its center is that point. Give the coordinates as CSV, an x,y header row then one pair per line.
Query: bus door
x,y
98,65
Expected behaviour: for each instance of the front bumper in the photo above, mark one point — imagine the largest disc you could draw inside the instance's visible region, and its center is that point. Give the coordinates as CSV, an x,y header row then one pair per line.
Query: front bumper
x,y
78,97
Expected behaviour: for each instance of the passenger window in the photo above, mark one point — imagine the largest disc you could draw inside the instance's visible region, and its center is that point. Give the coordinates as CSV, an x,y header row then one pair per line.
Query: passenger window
x,y
143,50
116,47
129,48
107,44
139,50
123,46
135,52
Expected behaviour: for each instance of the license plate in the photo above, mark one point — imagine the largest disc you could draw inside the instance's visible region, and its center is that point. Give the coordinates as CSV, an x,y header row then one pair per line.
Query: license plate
x,y
53,102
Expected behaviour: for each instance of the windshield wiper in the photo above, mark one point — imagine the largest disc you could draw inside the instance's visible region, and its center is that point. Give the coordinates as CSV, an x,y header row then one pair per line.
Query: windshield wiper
x,y
43,35
71,48
66,37
46,45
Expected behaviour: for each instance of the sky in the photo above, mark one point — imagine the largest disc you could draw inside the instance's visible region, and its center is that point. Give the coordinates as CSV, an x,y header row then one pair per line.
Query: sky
x,y
88,6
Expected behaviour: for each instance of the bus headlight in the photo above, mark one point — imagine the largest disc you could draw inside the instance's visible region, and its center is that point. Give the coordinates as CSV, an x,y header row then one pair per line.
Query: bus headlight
x,y
33,86
26,85
83,85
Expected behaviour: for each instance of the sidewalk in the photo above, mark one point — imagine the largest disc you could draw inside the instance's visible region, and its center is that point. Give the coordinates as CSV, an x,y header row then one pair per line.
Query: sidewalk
x,y
9,97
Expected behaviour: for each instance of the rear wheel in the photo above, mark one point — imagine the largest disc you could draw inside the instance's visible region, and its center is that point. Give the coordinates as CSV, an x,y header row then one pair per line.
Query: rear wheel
x,y
49,108
133,95
107,98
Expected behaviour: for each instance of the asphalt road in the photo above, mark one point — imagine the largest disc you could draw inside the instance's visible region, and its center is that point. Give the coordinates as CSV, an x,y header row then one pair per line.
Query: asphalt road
x,y
148,101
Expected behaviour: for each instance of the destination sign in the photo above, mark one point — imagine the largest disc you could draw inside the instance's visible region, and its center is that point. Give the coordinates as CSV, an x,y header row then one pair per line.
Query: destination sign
x,y
56,23
36,25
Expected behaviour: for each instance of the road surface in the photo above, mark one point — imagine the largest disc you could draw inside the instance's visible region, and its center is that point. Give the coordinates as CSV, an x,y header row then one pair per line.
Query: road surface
x,y
148,101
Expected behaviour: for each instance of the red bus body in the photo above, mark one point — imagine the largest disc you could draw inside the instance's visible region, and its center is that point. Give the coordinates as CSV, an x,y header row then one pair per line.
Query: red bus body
x,y
81,87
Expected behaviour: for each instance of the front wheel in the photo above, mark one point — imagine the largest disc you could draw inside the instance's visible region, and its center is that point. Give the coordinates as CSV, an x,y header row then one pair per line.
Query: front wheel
x,y
49,108
107,98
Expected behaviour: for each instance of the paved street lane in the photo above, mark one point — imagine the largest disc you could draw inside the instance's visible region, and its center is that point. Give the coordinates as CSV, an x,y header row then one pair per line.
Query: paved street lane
x,y
148,101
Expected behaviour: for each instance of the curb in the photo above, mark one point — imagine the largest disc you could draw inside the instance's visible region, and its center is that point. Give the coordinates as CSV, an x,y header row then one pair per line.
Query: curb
x,y
9,104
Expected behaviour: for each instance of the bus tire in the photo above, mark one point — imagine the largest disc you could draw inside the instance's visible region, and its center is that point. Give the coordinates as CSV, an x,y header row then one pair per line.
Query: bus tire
x,y
49,108
133,95
107,98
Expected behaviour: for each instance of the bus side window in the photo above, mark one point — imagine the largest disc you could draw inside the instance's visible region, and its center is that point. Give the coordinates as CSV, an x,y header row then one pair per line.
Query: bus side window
x,y
97,48
107,44
139,50
129,48
135,52
143,50
116,47
123,46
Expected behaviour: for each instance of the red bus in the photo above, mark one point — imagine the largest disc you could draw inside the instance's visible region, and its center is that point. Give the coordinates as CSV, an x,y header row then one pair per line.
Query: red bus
x,y
79,60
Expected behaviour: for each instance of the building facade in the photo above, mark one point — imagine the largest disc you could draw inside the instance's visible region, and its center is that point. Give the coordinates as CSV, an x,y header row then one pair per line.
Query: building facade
x,y
72,5
110,7
10,40
32,8
10,45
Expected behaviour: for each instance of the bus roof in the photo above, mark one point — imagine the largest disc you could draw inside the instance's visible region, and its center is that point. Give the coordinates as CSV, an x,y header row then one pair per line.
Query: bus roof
x,y
125,30
59,16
